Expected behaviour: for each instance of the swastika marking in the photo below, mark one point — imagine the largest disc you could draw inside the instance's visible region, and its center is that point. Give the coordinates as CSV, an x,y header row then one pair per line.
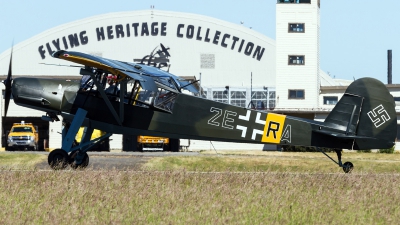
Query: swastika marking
x,y
379,116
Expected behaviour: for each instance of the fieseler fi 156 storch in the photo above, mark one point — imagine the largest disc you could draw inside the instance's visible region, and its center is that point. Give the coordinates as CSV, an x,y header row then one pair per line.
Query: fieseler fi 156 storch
x,y
146,100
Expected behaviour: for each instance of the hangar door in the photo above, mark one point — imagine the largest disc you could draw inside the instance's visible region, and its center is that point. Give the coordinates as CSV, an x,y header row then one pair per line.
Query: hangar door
x,y
43,127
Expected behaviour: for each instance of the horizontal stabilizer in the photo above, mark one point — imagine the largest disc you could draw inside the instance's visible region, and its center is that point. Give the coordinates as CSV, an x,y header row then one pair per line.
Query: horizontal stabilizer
x,y
343,136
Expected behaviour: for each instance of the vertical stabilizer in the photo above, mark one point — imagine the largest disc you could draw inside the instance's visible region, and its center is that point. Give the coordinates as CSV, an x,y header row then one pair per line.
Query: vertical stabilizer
x,y
367,111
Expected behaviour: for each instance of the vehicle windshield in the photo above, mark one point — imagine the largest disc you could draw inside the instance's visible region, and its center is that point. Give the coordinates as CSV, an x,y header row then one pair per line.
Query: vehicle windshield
x,y
21,129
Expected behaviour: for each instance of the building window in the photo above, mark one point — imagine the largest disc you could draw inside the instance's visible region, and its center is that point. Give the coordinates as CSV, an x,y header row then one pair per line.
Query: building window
x,y
220,96
259,99
296,28
330,100
296,94
207,61
271,101
238,98
295,1
296,59
204,94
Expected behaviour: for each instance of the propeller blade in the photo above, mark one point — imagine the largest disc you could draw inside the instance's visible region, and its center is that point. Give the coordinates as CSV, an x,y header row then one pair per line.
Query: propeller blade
x,y
7,83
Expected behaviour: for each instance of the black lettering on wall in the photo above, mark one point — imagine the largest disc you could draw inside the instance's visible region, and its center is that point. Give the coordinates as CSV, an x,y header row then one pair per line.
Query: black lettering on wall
x,y
128,30
56,43
154,29
65,43
258,52
216,37
110,32
223,44
190,31
100,34
119,30
249,48
207,39
73,40
42,52
145,29
84,39
241,45
235,39
163,29
198,37
178,30
49,49
135,28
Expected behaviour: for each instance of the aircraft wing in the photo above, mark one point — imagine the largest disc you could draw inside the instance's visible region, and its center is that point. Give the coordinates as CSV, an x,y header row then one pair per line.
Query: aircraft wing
x,y
146,75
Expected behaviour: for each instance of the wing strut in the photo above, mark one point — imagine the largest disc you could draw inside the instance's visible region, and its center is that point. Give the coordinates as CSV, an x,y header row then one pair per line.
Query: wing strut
x,y
106,100
122,92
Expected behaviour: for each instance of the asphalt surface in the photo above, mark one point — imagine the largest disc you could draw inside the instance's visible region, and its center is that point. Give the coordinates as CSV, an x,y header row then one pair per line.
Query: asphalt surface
x,y
119,160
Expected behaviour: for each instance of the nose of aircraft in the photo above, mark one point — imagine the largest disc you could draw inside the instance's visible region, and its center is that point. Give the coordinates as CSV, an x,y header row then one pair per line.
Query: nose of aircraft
x,y
40,93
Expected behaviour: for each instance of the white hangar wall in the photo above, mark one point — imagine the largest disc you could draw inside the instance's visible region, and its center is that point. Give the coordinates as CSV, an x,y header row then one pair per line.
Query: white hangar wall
x,y
230,52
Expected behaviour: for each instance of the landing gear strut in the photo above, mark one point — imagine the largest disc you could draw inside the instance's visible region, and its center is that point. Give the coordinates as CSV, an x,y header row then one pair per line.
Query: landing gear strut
x,y
347,166
78,157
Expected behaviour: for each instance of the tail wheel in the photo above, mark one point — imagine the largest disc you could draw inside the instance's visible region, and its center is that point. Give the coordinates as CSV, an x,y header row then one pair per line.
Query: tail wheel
x,y
58,159
348,167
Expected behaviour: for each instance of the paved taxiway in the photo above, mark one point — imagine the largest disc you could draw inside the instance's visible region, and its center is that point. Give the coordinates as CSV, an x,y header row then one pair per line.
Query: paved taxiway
x,y
119,160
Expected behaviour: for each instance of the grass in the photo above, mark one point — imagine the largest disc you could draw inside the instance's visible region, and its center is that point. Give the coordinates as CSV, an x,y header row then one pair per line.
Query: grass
x,y
209,190
20,160
179,197
277,162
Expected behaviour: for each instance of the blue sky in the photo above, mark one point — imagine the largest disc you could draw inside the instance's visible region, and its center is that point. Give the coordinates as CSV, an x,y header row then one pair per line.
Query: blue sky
x,y
355,35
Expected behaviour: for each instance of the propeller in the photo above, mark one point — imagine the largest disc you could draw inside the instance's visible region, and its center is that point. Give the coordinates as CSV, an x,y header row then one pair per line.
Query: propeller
x,y
7,83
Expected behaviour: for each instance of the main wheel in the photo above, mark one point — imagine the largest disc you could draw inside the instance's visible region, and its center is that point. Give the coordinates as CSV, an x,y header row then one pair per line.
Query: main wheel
x,y
348,167
85,161
58,159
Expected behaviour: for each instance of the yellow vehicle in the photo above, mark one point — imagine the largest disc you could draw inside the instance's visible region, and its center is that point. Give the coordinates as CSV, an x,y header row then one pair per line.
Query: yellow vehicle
x,y
23,136
150,143
100,146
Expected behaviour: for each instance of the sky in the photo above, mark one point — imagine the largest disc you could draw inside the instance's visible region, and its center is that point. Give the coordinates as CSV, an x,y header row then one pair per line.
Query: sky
x,y
355,35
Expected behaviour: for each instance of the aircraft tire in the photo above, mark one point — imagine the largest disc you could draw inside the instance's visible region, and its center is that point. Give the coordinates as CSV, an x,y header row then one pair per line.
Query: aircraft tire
x,y
348,167
85,161
58,159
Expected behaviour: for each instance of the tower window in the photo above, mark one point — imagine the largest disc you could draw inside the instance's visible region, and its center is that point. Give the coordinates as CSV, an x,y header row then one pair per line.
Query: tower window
x,y
296,60
330,100
296,94
296,28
